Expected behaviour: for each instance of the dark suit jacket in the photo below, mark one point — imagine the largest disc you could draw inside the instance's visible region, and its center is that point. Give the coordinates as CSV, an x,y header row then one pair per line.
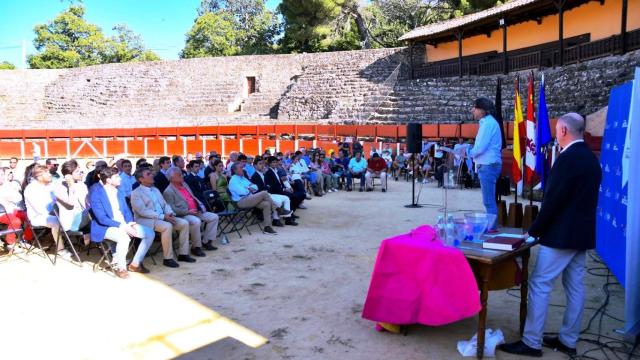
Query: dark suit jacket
x,y
196,184
103,213
273,183
256,179
567,218
160,181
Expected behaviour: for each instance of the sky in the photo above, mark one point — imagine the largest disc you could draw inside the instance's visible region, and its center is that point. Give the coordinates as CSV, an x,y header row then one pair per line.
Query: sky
x,y
162,24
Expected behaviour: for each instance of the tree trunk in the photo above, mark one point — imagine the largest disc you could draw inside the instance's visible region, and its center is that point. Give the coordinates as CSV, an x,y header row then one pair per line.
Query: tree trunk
x,y
362,28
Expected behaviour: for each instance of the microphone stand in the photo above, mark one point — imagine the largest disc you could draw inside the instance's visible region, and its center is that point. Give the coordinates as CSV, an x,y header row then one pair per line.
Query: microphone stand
x,y
414,204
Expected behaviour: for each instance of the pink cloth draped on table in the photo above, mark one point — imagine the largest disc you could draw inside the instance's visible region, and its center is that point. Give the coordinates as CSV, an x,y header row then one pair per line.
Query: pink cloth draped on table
x,y
416,279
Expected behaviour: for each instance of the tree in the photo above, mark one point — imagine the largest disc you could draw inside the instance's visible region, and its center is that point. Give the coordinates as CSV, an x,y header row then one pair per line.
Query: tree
x,y
70,41
387,20
256,28
5,65
128,46
213,34
319,25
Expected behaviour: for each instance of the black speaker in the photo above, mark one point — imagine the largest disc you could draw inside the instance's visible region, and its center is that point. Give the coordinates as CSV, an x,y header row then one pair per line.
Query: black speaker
x,y
414,138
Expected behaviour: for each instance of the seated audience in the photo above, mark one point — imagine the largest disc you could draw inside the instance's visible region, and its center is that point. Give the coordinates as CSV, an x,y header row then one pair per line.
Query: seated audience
x,y
39,200
71,196
246,196
182,201
195,182
160,179
219,183
151,210
92,176
283,203
126,177
12,213
376,167
357,169
112,220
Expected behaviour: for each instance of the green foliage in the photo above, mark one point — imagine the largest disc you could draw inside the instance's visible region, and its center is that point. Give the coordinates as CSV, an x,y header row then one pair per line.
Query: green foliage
x,y
128,46
319,25
213,34
389,19
232,27
70,41
5,65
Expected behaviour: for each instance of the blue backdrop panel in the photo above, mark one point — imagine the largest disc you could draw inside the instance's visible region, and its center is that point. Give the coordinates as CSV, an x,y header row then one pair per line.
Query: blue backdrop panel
x,y
611,220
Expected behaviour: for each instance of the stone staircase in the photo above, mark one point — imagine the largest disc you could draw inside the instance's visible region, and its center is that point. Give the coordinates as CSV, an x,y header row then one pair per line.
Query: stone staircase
x,y
336,91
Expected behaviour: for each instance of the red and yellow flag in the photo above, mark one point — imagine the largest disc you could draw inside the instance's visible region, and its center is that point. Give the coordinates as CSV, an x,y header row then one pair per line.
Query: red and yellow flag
x,y
530,142
518,131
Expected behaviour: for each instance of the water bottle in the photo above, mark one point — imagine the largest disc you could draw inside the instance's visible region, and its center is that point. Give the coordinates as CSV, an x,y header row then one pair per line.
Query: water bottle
x,y
440,227
451,179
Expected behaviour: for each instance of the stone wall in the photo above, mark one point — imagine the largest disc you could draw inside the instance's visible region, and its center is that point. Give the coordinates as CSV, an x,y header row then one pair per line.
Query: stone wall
x,y
583,88
325,87
163,93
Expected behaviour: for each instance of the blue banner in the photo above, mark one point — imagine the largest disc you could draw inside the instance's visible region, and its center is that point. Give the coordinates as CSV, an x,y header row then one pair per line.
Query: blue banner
x,y
611,220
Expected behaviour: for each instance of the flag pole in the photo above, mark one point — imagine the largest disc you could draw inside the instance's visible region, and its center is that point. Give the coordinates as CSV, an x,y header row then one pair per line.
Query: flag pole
x,y
515,105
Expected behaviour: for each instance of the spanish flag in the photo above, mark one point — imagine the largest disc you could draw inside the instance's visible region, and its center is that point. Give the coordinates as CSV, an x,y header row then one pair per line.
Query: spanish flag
x,y
518,131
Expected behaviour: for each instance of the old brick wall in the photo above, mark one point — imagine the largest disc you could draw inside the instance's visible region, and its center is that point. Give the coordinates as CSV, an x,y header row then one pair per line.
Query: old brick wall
x,y
295,88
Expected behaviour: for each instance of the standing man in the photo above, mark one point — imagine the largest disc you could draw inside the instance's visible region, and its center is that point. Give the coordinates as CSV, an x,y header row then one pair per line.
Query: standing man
x,y
487,153
566,227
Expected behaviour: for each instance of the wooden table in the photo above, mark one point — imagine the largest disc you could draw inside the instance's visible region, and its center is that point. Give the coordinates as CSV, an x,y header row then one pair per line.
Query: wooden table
x,y
496,270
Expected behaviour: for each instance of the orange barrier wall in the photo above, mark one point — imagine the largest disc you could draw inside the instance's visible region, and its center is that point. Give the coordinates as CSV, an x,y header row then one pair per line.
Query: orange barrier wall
x,y
154,142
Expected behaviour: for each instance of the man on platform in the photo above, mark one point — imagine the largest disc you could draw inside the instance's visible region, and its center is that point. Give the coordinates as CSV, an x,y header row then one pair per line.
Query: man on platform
x,y
566,226
487,154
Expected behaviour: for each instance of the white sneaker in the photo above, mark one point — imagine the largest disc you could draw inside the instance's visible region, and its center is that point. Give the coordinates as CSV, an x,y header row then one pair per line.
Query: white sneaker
x,y
65,254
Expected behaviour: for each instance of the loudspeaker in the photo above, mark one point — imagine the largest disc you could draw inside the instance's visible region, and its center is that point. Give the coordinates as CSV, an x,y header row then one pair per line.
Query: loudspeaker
x,y
414,138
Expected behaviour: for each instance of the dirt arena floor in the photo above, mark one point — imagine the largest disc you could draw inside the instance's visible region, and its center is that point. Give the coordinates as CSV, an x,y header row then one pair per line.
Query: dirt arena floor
x,y
297,295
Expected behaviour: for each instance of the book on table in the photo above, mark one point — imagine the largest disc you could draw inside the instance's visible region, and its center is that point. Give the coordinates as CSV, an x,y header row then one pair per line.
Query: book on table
x,y
504,242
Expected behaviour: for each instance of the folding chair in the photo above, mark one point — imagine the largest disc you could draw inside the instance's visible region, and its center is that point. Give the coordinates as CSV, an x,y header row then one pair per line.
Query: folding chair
x,y
8,229
106,257
65,237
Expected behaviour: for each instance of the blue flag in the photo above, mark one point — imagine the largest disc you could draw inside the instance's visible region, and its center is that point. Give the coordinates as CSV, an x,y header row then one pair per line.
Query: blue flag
x,y
543,136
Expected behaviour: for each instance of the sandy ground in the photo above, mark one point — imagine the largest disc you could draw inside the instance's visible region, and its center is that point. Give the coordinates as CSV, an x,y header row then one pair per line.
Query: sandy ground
x,y
303,290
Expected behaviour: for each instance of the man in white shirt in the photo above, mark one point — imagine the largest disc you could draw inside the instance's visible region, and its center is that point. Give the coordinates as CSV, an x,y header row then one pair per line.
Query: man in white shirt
x,y
246,195
39,200
113,220
151,210
126,177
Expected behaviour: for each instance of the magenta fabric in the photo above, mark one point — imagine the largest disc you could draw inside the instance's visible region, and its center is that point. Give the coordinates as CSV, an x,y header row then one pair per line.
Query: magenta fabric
x,y
416,279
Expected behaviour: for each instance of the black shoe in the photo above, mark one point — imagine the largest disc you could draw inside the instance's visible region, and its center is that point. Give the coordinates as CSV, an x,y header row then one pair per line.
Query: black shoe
x,y
520,348
170,263
369,189
209,246
268,230
294,216
290,222
186,258
348,189
361,190
554,343
384,190
277,223
198,252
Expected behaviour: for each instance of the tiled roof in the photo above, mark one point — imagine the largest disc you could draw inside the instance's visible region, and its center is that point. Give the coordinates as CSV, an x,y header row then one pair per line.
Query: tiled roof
x,y
447,25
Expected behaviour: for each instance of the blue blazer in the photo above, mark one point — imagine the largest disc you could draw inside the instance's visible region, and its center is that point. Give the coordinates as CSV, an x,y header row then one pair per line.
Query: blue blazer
x,y
102,217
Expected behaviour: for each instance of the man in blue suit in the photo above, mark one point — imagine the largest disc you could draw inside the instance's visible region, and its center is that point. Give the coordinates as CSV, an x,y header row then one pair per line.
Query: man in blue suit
x,y
113,220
